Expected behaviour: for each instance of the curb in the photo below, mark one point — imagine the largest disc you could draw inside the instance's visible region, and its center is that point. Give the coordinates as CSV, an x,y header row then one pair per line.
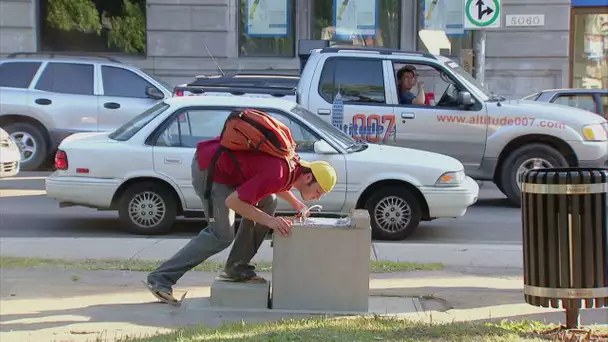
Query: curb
x,y
456,255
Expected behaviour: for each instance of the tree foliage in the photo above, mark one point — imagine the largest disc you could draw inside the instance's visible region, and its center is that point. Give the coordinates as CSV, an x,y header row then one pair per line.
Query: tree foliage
x,y
76,15
129,30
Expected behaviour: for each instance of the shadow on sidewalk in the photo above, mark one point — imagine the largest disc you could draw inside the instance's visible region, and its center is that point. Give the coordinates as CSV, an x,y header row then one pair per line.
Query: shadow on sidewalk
x,y
151,314
456,297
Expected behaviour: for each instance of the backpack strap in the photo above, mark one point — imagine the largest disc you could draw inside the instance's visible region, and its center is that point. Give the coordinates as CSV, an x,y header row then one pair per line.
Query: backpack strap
x,y
211,174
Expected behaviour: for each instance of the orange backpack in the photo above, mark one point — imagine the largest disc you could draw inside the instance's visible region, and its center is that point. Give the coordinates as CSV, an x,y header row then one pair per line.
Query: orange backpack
x,y
255,131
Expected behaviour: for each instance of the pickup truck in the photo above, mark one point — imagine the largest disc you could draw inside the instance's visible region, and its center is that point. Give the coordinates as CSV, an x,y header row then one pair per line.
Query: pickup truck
x,y
356,89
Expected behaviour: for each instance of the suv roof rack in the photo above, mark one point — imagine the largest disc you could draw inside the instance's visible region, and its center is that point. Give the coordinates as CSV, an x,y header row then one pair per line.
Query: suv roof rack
x,y
381,51
69,54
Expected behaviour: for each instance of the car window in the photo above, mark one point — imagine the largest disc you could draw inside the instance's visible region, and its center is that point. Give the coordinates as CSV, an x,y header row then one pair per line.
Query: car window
x,y
17,74
192,126
604,104
304,138
440,89
581,101
358,81
122,82
67,78
131,127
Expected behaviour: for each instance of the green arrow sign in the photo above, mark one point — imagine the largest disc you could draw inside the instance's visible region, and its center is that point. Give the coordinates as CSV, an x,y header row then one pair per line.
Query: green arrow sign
x,y
481,15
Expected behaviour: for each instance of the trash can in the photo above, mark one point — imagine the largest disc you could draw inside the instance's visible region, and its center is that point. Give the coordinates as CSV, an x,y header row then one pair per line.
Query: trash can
x,y
565,239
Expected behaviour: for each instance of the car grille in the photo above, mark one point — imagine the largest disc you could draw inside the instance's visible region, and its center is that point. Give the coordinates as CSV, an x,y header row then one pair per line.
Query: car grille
x,y
9,166
4,143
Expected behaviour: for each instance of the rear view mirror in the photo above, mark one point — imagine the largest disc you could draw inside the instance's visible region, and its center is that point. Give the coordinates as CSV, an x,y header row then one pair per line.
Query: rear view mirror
x,y
322,147
465,98
154,93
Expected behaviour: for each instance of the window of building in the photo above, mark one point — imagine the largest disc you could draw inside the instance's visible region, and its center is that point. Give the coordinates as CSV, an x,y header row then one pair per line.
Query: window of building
x,y
67,78
363,23
589,47
93,26
358,81
434,16
123,83
17,74
267,28
586,102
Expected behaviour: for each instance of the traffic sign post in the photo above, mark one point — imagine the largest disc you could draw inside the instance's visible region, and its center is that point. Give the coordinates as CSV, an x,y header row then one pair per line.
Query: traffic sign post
x,y
480,15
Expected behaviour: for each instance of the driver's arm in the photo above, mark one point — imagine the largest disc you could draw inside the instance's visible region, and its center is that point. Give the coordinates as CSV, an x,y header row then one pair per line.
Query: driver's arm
x,y
421,97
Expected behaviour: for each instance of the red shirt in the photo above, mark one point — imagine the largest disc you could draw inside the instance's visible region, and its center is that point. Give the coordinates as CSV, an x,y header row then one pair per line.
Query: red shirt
x,y
260,174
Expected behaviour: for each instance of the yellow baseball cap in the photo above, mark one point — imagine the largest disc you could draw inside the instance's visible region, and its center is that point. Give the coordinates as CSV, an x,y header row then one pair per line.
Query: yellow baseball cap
x,y
324,173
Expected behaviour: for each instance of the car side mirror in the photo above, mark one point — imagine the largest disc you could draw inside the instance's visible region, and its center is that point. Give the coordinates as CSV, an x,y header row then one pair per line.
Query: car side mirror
x,y
465,98
322,147
154,93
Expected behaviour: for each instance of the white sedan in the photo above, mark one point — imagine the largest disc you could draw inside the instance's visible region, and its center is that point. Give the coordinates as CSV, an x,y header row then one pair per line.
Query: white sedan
x,y
10,156
142,169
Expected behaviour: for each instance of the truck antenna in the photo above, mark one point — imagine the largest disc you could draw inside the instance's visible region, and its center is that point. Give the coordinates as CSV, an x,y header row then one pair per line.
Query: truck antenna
x,y
214,61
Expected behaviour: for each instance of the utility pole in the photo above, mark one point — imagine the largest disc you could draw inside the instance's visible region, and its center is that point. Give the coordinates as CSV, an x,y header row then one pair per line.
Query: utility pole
x,y
480,55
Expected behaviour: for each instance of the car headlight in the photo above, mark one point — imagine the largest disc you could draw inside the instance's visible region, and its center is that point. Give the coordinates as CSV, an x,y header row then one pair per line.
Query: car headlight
x,y
452,178
595,132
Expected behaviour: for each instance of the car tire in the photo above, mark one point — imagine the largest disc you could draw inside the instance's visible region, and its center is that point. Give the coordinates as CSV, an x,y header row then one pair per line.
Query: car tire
x,y
544,155
158,215
389,204
32,137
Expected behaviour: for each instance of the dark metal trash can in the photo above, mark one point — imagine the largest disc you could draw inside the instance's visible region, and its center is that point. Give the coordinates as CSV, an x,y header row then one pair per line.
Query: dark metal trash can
x,y
565,239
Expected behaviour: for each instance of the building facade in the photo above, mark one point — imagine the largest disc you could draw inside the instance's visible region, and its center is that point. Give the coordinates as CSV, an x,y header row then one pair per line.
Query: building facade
x,y
536,50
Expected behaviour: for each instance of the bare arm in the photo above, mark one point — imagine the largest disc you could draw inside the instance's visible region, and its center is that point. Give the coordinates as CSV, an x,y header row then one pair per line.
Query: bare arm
x,y
420,98
247,210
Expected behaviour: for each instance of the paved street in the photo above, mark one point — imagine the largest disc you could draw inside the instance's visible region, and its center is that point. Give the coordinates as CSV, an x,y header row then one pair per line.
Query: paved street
x,y
26,212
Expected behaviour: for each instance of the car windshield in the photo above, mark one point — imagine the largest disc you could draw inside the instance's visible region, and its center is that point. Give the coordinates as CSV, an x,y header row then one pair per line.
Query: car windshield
x,y
339,137
471,81
129,129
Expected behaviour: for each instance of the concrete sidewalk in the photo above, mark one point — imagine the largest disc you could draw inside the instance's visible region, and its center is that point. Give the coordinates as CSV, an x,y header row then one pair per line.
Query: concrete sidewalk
x,y
82,305
457,255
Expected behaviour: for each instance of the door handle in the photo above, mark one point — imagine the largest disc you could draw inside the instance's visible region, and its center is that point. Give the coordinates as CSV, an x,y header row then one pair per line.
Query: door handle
x,y
408,115
43,102
173,160
323,111
111,105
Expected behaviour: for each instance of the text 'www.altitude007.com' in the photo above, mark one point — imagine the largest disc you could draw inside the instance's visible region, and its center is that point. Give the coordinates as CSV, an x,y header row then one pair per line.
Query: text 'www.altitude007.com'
x,y
500,121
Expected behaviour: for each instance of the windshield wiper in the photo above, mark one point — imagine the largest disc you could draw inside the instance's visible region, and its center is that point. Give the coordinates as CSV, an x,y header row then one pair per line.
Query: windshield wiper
x,y
496,97
356,147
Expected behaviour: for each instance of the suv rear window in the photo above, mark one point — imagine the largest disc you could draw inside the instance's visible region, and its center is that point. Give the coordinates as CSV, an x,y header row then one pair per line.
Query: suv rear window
x,y
17,74
67,78
359,81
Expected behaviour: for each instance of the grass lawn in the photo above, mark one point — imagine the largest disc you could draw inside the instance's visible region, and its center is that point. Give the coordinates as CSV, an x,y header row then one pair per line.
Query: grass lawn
x,y
362,329
207,266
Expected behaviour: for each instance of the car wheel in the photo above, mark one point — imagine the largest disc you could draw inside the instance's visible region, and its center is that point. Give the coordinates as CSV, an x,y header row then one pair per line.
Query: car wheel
x,y
533,156
32,144
395,213
147,209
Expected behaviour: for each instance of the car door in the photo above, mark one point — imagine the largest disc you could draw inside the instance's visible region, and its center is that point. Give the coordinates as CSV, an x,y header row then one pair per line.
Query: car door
x,y
175,146
305,139
352,96
64,94
577,100
123,96
440,125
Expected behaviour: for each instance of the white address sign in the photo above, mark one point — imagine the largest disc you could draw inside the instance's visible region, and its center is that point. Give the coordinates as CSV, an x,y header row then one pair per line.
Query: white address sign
x,y
525,20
